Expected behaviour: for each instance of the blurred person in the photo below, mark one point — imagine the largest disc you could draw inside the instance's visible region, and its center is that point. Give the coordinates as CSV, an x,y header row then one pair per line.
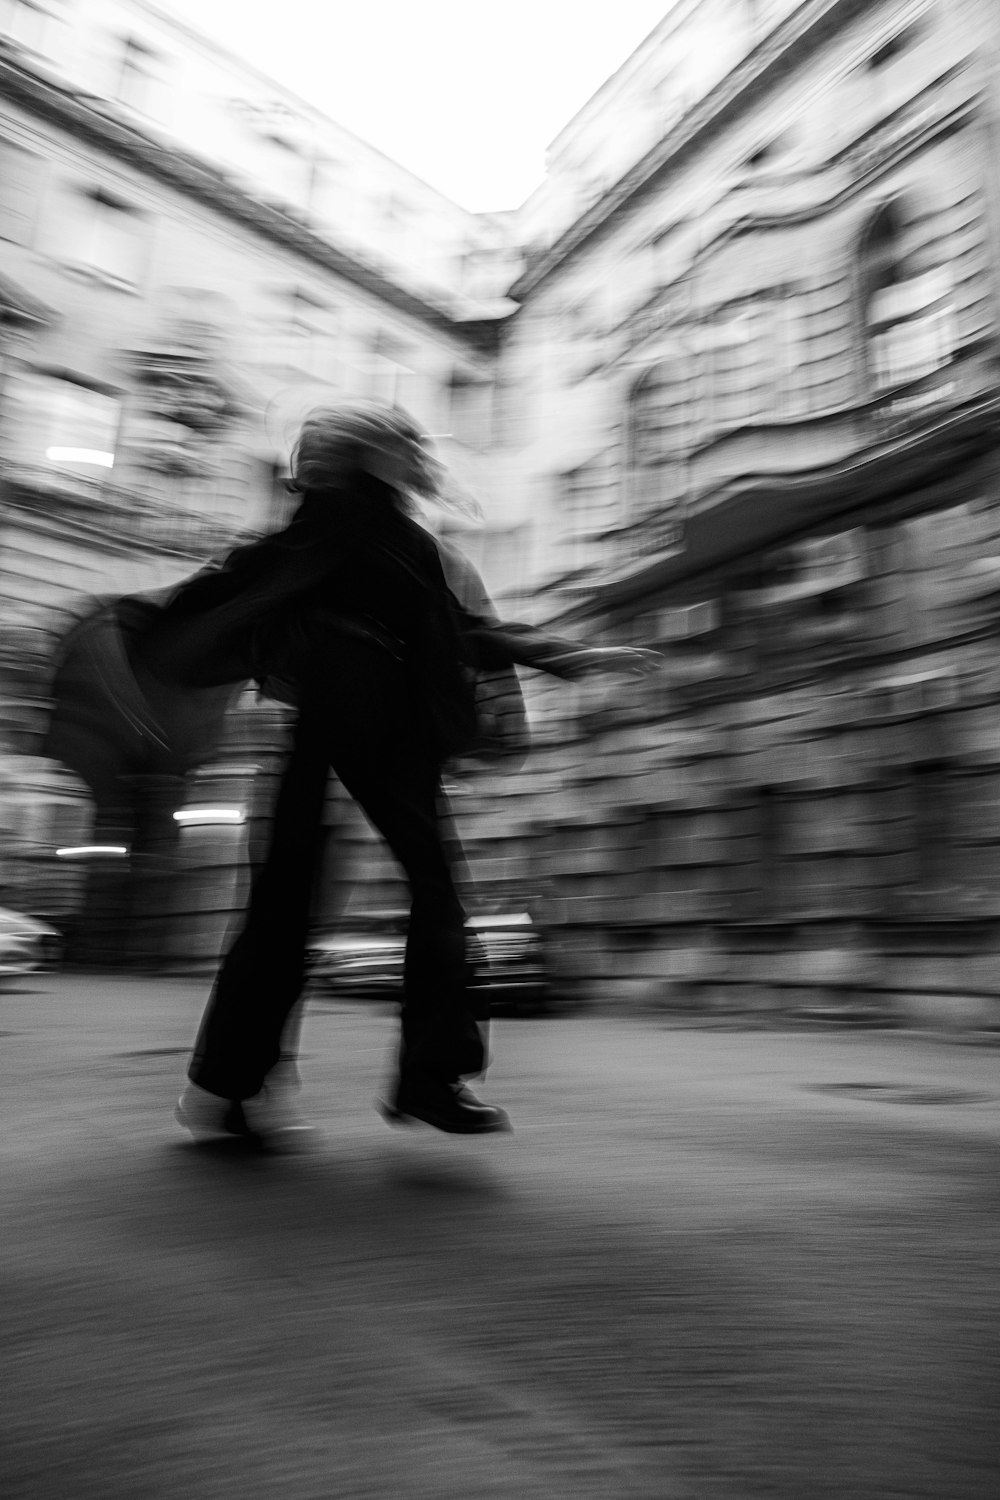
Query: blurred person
x,y
347,614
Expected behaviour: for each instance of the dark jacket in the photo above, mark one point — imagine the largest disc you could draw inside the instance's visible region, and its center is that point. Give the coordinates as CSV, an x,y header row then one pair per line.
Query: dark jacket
x,y
147,681
347,560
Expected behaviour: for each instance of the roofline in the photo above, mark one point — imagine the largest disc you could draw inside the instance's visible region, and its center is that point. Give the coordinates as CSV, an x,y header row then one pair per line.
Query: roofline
x,y
660,26
53,101
219,48
791,41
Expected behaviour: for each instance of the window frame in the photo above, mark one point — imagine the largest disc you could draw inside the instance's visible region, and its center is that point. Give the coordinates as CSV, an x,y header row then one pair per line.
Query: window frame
x,y
918,338
46,423
130,66
92,228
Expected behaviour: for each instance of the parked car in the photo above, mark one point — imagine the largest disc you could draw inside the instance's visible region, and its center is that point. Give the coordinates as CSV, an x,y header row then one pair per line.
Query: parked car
x,y
26,945
364,960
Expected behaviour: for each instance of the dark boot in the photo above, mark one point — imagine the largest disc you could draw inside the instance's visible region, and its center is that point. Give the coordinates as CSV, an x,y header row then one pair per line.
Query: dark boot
x,y
448,1106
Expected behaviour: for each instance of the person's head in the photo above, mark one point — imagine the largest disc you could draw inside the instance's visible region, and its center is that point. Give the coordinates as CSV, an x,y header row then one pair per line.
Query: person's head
x,y
337,443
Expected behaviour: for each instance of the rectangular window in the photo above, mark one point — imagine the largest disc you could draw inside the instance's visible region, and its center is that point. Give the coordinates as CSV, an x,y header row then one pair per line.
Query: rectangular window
x,y
283,172
19,179
912,325
105,237
304,335
138,85
660,424
887,76
26,23
469,410
309,325
328,197
788,347
583,496
909,351
738,368
587,507
64,426
754,361
271,153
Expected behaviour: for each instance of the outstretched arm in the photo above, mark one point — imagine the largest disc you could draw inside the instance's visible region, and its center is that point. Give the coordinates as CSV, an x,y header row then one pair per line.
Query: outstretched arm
x,y
500,643
505,643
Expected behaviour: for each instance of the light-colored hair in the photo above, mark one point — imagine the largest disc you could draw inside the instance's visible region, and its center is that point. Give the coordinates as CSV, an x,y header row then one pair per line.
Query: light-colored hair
x,y
336,442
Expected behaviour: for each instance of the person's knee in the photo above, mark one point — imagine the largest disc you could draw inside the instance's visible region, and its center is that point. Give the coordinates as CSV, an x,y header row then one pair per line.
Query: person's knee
x,y
436,898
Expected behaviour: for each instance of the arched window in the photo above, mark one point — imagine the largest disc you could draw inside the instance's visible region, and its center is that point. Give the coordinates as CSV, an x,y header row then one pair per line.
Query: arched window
x,y
659,421
907,299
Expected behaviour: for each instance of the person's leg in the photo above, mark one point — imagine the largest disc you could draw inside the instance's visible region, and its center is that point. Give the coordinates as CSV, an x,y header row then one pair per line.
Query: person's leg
x,y
442,1041
261,978
440,1032
356,718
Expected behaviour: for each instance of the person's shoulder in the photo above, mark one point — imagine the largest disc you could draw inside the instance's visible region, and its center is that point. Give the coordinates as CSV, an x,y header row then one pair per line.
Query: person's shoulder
x,y
416,539
464,579
413,528
451,555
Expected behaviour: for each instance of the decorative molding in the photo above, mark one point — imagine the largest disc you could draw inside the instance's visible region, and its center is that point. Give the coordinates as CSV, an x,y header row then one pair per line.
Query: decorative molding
x,y
791,42
20,310
917,122
187,402
108,519
85,117
764,508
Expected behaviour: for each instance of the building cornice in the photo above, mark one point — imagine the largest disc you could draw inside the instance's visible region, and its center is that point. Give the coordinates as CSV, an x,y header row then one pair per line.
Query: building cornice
x,y
872,156
669,308
759,510
107,518
19,308
88,118
795,39
210,46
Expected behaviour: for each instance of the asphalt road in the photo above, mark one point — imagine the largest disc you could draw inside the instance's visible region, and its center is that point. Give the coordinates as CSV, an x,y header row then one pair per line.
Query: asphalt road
x,y
698,1269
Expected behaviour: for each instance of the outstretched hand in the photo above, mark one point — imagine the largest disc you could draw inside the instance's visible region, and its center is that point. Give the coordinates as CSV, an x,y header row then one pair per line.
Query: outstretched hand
x,y
633,661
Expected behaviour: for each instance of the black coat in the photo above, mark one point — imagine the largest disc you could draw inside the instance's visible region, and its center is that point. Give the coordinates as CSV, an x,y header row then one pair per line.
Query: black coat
x,y
348,561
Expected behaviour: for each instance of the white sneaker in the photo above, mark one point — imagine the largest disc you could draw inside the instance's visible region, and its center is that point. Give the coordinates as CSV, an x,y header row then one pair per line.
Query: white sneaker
x,y
209,1117
274,1117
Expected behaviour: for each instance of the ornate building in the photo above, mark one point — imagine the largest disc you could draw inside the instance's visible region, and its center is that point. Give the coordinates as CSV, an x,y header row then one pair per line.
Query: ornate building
x,y
740,403
753,391
177,287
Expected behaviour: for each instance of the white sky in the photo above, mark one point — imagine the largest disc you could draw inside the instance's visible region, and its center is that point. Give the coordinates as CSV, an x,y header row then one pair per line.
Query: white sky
x,y
465,94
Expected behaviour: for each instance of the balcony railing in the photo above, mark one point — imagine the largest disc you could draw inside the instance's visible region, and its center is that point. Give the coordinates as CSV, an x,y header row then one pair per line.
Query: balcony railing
x,y
118,513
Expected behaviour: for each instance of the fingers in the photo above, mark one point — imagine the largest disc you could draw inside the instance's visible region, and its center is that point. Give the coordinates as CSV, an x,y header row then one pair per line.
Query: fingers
x,y
632,661
649,661
636,661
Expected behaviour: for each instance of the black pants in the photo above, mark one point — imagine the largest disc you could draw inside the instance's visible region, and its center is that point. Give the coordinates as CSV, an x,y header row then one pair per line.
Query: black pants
x,y
355,717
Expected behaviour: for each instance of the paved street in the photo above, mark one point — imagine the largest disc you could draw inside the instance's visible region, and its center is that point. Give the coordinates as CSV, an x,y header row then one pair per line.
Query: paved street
x,y
698,1269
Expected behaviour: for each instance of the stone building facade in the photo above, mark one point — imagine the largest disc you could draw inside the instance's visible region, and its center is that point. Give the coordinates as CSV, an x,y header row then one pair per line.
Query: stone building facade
x,y
166,317
757,375
740,403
